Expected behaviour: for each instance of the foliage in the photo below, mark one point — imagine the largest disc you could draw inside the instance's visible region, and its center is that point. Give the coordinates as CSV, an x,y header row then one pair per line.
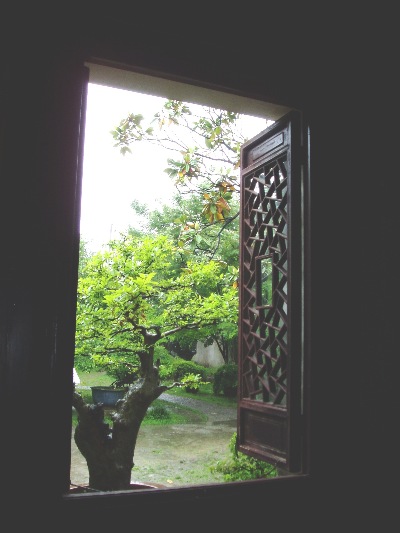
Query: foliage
x,y
158,412
182,347
164,221
177,368
241,467
84,256
192,382
142,285
124,370
226,380
84,364
183,220
148,289
205,159
203,217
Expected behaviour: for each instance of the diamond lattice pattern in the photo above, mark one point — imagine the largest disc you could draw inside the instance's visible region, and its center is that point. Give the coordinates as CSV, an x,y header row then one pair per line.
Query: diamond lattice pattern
x,y
264,271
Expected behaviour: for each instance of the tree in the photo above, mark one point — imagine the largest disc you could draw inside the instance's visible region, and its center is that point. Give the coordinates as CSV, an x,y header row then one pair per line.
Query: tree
x,y
206,142
183,221
132,296
84,255
205,148
166,221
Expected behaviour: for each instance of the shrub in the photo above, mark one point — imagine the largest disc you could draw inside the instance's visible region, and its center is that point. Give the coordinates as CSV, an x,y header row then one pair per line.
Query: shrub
x,y
241,467
162,354
192,382
167,370
177,368
158,412
226,380
124,370
84,364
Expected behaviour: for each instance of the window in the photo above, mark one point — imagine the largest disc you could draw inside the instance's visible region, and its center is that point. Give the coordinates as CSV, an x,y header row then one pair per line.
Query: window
x,y
272,289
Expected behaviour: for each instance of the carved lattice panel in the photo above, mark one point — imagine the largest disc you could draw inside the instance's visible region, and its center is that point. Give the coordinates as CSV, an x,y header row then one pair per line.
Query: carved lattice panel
x,y
264,272
271,295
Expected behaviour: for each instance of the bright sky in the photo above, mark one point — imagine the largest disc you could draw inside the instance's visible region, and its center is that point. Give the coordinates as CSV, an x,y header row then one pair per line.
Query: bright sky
x,y
112,181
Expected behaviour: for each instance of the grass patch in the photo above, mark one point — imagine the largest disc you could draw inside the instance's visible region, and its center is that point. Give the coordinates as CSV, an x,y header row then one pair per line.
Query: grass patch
x,y
95,379
159,413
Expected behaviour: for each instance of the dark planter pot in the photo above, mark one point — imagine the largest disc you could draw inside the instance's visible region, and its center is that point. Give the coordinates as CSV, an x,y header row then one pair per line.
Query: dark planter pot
x,y
107,395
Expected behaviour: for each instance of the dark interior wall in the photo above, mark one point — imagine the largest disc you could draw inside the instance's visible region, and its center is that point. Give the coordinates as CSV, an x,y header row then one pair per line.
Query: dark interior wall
x,y
354,404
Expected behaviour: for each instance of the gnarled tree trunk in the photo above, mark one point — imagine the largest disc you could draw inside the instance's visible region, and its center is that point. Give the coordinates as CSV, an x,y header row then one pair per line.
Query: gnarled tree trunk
x,y
109,451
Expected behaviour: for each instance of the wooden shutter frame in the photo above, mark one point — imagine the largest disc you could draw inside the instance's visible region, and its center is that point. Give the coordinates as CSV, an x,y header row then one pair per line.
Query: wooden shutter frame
x,y
274,433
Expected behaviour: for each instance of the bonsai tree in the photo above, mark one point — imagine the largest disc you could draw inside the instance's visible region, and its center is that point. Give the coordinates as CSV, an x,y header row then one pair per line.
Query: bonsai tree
x,y
138,293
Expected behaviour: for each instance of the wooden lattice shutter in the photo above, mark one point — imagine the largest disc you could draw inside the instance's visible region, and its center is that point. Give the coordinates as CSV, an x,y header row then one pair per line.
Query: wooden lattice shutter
x,y
271,296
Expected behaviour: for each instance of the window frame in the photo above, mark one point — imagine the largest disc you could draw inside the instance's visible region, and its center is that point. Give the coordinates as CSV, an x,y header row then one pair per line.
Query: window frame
x,y
125,77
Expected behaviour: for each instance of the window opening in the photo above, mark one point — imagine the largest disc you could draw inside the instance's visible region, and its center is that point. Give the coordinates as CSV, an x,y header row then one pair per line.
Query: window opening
x,y
268,279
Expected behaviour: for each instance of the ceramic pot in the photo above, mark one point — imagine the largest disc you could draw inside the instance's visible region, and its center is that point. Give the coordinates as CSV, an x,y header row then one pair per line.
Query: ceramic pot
x,y
108,396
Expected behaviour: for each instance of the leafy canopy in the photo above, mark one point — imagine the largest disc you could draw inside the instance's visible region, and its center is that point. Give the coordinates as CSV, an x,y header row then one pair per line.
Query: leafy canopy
x,y
141,291
205,159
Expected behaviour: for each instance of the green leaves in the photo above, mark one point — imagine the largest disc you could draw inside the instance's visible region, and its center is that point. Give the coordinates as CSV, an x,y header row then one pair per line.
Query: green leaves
x,y
207,142
129,130
142,285
216,207
192,382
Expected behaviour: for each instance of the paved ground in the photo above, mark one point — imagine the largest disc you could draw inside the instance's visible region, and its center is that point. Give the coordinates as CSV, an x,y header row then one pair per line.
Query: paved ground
x,y
176,455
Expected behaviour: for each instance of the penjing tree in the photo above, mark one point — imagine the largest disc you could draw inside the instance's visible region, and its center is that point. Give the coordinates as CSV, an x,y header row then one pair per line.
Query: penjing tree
x,y
131,297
